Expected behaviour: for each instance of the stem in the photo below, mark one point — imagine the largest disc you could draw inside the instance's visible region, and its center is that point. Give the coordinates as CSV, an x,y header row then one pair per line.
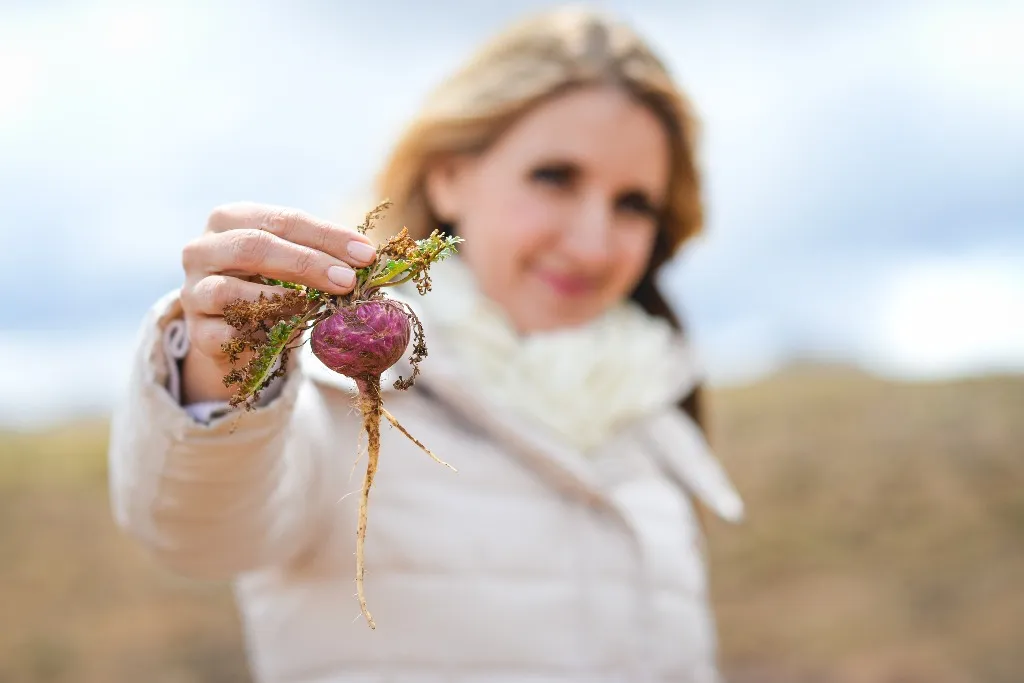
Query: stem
x,y
393,269
423,257
393,283
371,407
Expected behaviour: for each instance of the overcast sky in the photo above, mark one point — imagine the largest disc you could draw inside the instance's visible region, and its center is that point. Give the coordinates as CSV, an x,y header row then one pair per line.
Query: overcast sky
x,y
864,164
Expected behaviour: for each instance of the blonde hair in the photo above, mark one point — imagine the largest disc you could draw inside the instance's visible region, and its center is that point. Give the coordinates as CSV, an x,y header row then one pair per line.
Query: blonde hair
x,y
531,61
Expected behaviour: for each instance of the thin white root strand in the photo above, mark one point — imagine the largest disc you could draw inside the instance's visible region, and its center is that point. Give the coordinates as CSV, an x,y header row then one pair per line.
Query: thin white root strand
x,y
397,425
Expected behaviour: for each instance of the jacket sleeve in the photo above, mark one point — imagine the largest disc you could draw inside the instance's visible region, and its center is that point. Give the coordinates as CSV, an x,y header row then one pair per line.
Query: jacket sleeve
x,y
215,498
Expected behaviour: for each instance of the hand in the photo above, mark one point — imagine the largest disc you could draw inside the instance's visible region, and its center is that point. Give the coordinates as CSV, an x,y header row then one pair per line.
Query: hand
x,y
240,242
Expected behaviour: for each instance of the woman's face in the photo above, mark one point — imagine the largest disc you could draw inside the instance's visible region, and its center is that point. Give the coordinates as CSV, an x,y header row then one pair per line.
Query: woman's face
x,y
560,214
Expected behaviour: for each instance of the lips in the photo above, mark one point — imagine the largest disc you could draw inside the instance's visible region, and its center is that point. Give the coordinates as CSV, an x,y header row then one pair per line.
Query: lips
x,y
567,285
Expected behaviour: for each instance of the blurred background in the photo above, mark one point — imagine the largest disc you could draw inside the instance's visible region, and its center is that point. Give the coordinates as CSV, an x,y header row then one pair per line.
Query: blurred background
x,y
858,299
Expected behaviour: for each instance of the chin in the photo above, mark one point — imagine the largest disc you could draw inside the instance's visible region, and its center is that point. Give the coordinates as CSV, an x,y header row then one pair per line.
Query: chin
x,y
539,318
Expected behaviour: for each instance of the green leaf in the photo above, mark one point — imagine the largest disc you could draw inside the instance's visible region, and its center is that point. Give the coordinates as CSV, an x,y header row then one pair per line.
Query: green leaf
x,y
312,294
263,365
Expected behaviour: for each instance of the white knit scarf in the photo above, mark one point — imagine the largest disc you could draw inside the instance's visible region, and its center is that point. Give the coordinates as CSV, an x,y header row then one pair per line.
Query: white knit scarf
x,y
583,383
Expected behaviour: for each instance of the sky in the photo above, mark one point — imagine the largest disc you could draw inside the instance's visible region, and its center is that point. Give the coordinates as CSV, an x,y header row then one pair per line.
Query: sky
x,y
863,164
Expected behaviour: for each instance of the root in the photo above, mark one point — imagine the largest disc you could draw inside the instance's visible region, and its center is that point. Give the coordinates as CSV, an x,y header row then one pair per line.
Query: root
x,y
397,425
372,408
370,404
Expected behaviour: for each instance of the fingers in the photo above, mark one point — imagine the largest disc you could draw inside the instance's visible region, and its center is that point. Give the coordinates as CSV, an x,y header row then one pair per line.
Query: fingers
x,y
207,334
211,294
258,252
297,227
204,303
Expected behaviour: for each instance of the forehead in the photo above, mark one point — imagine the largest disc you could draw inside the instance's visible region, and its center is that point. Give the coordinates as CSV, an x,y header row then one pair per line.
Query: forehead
x,y
604,130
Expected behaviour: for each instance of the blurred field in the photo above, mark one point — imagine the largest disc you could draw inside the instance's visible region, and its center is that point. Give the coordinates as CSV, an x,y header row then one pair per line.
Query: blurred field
x,y
885,544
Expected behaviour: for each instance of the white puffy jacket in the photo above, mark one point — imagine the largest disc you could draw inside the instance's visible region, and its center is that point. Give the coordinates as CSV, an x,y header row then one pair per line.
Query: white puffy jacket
x,y
532,563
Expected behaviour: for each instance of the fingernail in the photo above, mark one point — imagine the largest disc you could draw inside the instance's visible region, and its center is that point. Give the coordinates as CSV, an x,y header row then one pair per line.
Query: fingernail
x,y
361,251
341,276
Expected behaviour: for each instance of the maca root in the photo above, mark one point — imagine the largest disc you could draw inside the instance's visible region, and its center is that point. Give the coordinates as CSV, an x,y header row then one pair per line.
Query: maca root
x,y
359,335
371,406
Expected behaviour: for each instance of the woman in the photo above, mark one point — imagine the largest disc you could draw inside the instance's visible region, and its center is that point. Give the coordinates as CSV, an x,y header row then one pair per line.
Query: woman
x,y
566,548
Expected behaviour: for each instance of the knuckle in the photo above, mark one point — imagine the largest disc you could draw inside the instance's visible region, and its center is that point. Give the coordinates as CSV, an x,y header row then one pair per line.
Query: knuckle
x,y
305,262
221,217
232,215
284,223
322,236
192,297
220,291
187,297
248,248
191,254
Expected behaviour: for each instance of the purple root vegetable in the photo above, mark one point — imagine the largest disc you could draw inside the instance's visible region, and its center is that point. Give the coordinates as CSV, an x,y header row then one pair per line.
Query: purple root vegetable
x,y
361,341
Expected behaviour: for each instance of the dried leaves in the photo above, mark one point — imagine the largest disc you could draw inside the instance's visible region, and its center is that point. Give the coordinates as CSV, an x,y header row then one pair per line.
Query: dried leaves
x,y
266,327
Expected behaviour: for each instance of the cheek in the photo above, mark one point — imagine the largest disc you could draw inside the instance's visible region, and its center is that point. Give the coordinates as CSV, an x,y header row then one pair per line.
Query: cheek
x,y
633,248
510,223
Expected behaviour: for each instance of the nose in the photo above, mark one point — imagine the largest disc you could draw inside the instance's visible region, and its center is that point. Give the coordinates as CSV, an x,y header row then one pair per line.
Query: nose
x,y
589,239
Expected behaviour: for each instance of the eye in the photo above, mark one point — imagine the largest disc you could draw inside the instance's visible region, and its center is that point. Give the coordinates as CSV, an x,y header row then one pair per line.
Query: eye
x,y
638,203
556,175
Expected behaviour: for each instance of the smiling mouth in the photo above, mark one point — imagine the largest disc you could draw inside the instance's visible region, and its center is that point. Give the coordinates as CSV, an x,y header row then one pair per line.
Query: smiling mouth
x,y
567,285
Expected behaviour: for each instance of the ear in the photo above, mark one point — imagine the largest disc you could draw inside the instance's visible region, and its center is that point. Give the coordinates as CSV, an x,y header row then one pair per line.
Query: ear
x,y
445,185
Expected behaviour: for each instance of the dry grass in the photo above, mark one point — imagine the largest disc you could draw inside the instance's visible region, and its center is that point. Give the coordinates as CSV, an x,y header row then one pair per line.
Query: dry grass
x,y
885,544
80,602
885,540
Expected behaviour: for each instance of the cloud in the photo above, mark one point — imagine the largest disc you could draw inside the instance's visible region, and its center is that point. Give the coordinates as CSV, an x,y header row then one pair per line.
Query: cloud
x,y
946,316
849,153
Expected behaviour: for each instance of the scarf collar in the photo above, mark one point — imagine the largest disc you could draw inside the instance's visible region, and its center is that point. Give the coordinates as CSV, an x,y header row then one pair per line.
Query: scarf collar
x,y
582,383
